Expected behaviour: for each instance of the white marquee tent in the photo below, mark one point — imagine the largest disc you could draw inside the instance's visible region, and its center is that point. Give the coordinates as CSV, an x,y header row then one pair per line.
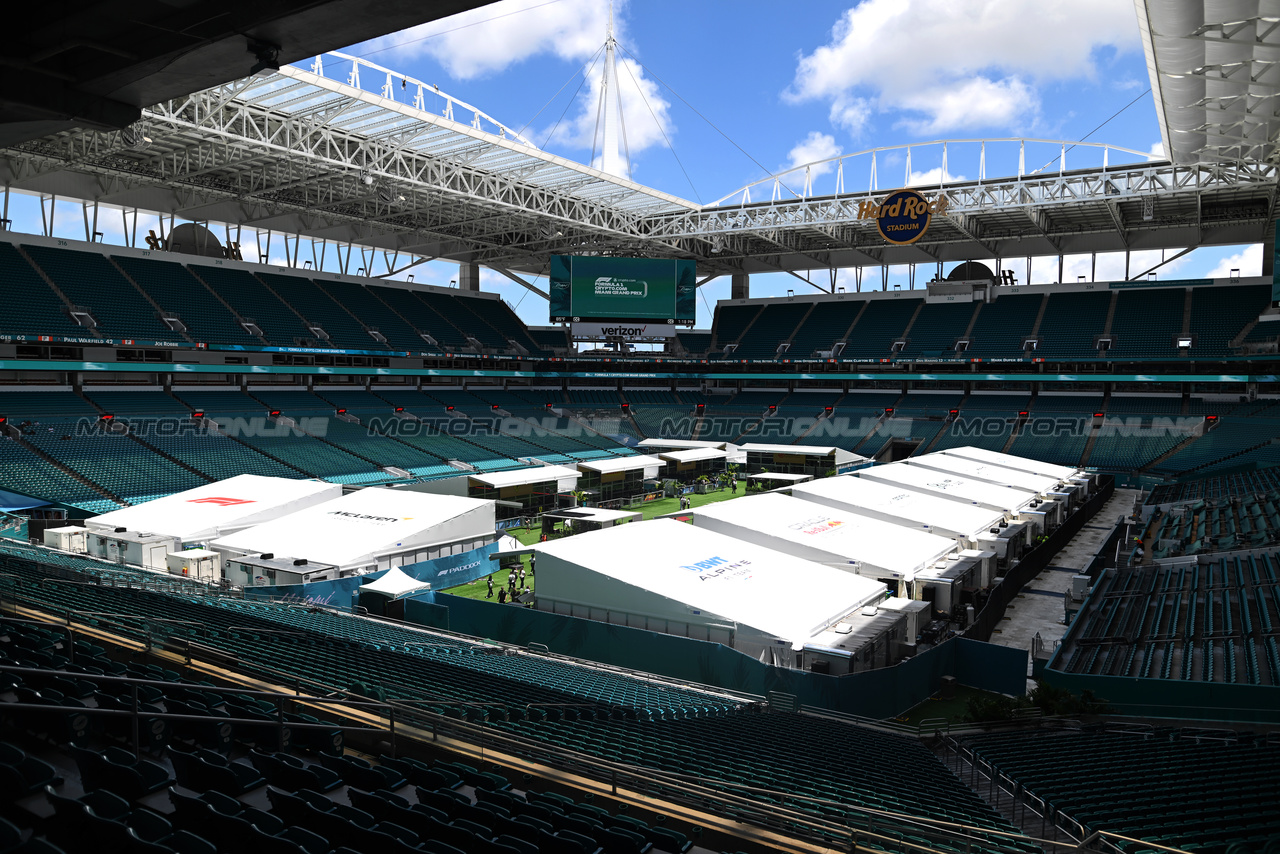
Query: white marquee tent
x,y
371,529
218,509
671,577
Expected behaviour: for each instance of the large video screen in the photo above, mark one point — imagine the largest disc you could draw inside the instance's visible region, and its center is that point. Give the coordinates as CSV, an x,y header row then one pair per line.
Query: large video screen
x,y
623,289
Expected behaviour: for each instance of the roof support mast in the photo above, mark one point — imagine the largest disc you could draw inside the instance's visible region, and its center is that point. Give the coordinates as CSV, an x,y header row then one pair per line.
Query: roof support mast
x,y
611,128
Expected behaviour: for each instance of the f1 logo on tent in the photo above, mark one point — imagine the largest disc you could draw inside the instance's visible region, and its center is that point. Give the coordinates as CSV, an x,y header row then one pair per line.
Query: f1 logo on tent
x,y
221,502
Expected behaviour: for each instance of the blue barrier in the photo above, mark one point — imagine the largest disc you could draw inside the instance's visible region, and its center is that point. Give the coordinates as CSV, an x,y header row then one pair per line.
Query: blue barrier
x,y
447,571
879,693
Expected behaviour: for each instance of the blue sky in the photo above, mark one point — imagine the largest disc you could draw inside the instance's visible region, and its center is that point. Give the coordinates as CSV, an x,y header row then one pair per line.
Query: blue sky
x,y
748,88
744,89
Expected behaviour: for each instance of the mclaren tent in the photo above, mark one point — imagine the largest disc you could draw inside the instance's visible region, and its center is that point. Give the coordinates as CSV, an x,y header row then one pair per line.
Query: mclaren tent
x,y
1041,484
361,532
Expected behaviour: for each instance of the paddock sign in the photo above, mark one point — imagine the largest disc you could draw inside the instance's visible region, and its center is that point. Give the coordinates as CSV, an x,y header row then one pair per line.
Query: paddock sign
x,y
904,216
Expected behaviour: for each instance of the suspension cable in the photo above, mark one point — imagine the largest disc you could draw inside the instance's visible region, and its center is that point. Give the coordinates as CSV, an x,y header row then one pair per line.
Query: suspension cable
x,y
766,169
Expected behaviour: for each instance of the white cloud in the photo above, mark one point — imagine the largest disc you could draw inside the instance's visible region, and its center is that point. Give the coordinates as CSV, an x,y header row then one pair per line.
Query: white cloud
x,y
1248,261
932,176
490,38
850,113
1110,266
1157,151
957,63
974,103
815,146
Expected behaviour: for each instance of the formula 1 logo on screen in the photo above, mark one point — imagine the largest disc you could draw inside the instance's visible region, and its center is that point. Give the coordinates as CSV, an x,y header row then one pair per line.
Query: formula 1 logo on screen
x,y
612,286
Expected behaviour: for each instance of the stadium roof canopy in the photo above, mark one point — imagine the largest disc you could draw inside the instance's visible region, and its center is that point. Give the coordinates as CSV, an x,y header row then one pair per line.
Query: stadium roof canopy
x,y
353,153
96,64
1215,72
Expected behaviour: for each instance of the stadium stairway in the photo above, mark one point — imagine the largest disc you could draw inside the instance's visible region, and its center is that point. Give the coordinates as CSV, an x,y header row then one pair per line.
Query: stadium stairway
x,y
33,304
423,317
91,280
175,289
71,486
730,324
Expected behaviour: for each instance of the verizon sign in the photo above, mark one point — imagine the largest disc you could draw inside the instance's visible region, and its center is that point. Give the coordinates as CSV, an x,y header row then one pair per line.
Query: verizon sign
x,y
624,330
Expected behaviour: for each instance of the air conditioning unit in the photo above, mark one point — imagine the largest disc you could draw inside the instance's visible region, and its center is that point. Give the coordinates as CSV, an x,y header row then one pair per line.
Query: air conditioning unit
x,y
1079,587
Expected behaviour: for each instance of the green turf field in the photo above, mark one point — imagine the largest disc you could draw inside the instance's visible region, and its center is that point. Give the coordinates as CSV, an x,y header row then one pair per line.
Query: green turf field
x,y
528,536
952,710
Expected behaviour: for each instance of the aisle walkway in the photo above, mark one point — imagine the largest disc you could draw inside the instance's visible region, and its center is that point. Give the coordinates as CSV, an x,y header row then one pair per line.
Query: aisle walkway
x,y
1041,606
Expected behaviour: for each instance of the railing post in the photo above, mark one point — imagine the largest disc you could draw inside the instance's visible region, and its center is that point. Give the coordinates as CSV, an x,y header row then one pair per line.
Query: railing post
x,y
137,742
391,719
280,722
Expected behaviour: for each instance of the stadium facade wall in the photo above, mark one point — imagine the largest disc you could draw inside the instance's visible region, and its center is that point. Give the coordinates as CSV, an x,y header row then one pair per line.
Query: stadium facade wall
x,y
1161,698
879,693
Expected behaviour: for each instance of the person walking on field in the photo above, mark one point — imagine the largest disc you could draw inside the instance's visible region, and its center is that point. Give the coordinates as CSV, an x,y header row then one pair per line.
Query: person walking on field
x,y
490,594
502,596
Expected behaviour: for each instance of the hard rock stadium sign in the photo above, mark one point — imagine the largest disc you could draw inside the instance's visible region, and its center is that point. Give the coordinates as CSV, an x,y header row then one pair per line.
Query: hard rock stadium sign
x,y
904,216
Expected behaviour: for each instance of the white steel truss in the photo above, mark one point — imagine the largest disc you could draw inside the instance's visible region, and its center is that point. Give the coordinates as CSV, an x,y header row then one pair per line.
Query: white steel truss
x,y
298,151
373,159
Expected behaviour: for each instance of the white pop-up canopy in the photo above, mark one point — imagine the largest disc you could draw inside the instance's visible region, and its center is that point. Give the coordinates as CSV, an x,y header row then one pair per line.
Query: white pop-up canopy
x,y
217,509
360,530
951,486
675,574
901,505
820,533
394,583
